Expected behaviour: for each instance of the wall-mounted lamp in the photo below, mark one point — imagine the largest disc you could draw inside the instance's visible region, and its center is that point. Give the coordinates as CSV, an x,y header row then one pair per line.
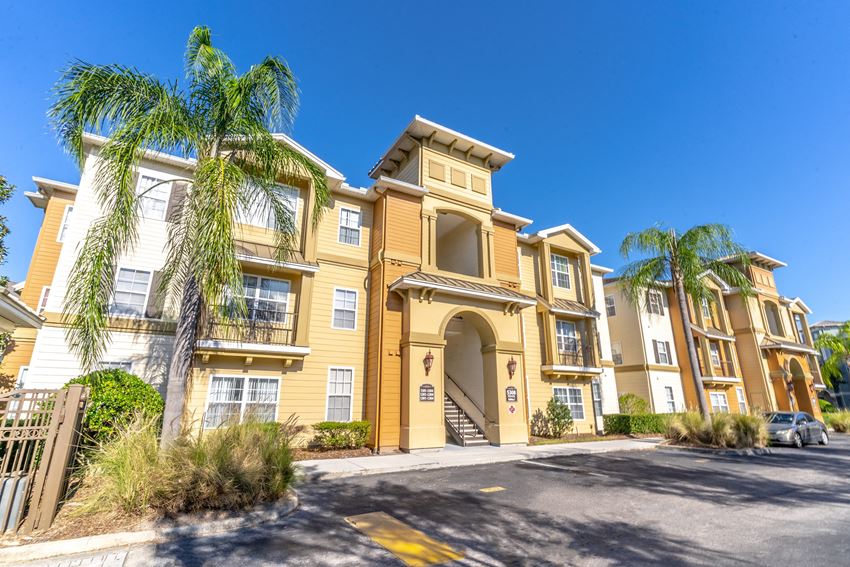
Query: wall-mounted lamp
x,y
511,367
427,362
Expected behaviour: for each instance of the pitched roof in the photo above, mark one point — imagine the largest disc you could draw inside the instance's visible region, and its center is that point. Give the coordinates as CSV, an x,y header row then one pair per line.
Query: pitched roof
x,y
827,323
460,287
777,344
569,307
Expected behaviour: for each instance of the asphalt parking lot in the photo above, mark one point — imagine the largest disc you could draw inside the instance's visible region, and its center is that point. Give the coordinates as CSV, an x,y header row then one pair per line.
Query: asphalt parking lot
x,y
655,507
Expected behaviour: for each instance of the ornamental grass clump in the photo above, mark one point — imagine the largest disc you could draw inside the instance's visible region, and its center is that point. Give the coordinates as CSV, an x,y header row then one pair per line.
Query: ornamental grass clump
x,y
233,467
725,430
839,421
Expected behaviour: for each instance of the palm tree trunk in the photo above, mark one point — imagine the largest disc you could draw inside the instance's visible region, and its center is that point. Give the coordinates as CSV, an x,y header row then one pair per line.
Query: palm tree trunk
x,y
696,375
181,361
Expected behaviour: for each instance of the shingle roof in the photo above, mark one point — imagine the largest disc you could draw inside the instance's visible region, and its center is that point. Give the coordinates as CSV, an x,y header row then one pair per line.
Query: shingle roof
x,y
431,280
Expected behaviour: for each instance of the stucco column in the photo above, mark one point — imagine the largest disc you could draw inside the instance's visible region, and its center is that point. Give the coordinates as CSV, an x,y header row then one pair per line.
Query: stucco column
x,y
506,421
422,424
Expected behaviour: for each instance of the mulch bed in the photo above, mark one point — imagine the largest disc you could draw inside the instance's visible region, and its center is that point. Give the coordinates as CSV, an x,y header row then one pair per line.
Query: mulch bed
x,y
587,437
310,454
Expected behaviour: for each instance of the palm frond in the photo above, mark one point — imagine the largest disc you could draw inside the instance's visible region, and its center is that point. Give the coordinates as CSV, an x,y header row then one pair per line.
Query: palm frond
x,y
655,241
640,276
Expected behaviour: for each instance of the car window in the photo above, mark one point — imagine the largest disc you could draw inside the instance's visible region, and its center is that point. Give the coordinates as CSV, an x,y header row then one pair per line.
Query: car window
x,y
780,418
801,420
810,417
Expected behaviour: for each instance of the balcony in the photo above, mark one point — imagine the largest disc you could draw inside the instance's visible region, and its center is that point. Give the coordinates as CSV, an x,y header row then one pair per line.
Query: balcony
x,y
574,359
260,331
724,371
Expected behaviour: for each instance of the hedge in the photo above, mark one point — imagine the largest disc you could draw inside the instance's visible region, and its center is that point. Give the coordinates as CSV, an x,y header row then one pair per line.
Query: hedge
x,y
341,434
626,424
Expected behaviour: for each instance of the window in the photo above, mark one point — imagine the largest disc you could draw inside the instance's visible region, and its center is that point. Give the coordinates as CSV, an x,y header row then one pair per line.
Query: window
x,y
349,227
560,271
654,302
266,299
340,388
772,313
345,309
617,353
572,398
125,365
234,399
66,222
714,349
801,328
719,403
706,309
153,197
662,352
610,306
671,400
131,292
565,332
742,401
42,301
22,377
596,392
262,215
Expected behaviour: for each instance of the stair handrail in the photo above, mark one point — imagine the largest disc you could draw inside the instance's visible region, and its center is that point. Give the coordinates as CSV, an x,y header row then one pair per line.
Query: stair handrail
x,y
465,395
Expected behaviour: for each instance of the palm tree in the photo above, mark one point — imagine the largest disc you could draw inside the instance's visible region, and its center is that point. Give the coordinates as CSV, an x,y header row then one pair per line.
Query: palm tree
x,y
683,259
838,346
223,121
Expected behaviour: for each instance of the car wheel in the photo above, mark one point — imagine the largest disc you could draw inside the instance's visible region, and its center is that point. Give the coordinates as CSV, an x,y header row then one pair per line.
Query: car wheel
x,y
798,441
824,438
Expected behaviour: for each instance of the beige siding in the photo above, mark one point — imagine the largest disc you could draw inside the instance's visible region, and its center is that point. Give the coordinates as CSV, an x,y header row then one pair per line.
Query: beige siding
x,y
328,244
409,171
504,241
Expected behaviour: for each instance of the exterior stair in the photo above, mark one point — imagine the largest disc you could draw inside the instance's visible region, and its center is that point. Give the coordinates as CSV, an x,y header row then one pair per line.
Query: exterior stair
x,y
462,429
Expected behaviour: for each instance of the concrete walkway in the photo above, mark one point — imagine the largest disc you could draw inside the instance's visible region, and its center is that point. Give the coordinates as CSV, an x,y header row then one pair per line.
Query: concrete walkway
x,y
455,456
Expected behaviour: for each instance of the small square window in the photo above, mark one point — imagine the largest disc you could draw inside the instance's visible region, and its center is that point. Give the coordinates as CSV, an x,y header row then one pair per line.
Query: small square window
x,y
572,397
131,292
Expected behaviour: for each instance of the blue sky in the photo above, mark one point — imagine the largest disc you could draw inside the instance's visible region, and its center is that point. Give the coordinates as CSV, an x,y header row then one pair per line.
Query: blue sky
x,y
621,114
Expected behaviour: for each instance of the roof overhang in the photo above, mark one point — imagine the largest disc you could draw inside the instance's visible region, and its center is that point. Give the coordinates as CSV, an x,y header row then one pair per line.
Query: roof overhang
x,y
515,220
712,335
45,190
796,301
293,266
791,347
601,270
759,259
561,229
421,128
510,301
15,314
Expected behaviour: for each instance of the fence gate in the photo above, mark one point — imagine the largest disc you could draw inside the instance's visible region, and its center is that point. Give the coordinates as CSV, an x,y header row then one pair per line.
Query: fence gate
x,y
39,432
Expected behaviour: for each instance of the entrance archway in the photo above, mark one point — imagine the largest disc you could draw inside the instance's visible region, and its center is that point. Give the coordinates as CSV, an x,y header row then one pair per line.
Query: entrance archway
x,y
469,383
801,387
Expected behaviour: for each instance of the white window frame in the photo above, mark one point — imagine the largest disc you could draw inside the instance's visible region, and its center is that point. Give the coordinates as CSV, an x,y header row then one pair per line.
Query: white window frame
x,y
706,308
42,299
166,184
569,403
334,308
596,389
250,218
125,365
663,352
256,298
556,271
22,374
659,302
63,228
357,229
670,398
610,306
243,403
559,337
714,354
742,399
350,396
147,292
719,407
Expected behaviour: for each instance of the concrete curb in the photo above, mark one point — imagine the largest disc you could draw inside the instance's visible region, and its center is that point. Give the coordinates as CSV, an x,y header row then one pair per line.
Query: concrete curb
x,y
723,452
574,450
15,555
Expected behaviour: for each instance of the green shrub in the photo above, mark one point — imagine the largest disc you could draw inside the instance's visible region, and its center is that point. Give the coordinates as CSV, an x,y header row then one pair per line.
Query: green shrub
x,y
839,421
559,418
341,434
628,424
724,430
632,404
232,467
115,397
826,406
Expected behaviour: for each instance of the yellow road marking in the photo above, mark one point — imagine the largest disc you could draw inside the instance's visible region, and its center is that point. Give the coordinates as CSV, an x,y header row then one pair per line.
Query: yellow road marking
x,y
411,546
492,489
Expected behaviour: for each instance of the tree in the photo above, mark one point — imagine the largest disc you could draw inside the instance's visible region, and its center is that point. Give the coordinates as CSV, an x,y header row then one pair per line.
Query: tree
x,y
838,346
683,260
222,120
6,190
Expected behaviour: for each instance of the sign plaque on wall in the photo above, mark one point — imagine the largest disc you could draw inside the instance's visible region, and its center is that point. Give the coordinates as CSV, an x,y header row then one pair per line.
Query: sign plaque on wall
x,y
510,394
426,393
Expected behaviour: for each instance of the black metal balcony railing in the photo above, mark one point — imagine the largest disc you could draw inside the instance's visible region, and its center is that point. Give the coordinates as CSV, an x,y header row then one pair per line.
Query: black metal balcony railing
x,y
577,354
262,326
724,368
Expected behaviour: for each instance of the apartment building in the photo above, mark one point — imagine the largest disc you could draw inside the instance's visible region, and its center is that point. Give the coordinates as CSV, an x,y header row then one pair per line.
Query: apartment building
x,y
413,303
774,343
644,350
840,394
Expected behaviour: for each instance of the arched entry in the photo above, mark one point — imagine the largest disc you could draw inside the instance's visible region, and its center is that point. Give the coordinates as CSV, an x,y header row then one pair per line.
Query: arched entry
x,y
801,386
469,383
